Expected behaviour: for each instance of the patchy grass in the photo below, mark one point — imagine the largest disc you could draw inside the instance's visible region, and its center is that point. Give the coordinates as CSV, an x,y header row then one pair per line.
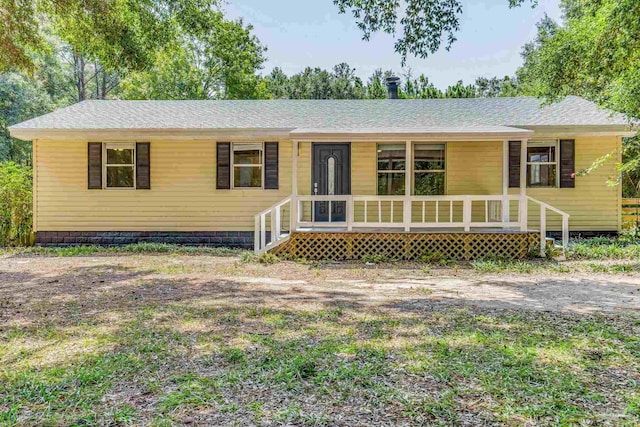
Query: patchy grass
x,y
136,248
115,346
500,265
604,248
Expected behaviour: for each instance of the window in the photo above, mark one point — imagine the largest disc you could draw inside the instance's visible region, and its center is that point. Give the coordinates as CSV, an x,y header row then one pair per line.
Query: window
x,y
391,169
542,164
120,169
428,169
247,165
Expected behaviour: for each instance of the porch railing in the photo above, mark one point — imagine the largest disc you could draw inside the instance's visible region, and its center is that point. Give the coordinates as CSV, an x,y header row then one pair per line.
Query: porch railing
x,y
279,230
544,207
463,212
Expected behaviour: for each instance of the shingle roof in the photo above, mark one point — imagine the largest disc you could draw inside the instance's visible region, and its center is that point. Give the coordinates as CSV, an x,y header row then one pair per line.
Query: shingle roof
x,y
325,114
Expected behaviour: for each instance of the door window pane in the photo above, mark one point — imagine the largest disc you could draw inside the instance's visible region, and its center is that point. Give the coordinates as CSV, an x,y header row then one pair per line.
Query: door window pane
x,y
331,176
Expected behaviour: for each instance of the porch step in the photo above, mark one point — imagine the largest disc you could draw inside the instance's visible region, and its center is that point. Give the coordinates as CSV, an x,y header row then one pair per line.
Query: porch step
x,y
281,240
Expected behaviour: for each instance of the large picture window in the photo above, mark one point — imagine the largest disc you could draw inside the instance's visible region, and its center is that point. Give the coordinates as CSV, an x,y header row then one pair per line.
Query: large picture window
x,y
542,164
247,165
429,169
120,169
391,169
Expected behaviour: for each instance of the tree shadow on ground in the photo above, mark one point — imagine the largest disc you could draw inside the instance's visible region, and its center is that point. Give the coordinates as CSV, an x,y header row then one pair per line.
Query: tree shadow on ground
x,y
219,352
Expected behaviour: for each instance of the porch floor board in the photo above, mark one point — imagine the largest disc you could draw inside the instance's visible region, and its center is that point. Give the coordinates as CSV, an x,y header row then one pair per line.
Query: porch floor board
x,y
401,230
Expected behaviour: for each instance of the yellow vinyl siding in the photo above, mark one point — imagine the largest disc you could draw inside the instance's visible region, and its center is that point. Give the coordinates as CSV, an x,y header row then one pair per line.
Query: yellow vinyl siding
x,y
592,204
474,167
183,196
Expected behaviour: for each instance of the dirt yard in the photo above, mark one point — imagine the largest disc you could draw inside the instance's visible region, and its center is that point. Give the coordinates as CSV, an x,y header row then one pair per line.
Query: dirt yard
x,y
203,340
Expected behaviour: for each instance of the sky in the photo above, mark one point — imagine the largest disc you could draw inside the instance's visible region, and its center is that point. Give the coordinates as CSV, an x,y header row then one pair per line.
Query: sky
x,y
301,33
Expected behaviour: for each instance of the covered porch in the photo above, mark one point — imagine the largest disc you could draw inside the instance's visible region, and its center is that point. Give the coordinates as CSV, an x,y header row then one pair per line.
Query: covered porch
x,y
331,195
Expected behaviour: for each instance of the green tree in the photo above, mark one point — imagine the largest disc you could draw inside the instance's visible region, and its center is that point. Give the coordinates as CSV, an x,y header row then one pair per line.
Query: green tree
x,y
21,98
118,33
376,88
419,26
215,59
495,87
420,88
459,90
277,83
594,54
15,204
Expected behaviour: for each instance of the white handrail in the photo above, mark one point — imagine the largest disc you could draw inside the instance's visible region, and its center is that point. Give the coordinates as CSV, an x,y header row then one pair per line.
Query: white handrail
x,y
543,225
260,243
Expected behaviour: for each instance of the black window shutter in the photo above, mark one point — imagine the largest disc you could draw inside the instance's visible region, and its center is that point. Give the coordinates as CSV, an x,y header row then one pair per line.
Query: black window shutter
x,y
271,165
567,163
223,168
514,164
143,166
94,177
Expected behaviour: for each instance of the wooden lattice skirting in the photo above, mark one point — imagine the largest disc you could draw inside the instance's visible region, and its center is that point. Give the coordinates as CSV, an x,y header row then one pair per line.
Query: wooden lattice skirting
x,y
407,246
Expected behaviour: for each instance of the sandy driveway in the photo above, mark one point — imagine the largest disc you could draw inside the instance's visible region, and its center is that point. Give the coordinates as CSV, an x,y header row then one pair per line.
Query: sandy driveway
x,y
28,278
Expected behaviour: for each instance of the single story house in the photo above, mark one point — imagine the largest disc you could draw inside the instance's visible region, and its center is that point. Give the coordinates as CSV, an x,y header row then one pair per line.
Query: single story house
x,y
255,174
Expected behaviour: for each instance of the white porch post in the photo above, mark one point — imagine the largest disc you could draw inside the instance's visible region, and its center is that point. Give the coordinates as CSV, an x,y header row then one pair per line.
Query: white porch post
x,y
294,188
505,182
408,166
524,206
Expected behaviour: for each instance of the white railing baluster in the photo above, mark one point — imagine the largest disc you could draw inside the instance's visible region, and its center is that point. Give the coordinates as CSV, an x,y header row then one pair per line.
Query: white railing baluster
x,y
437,211
392,217
379,210
263,231
256,233
451,211
330,206
565,231
350,213
273,227
486,211
366,210
543,231
277,224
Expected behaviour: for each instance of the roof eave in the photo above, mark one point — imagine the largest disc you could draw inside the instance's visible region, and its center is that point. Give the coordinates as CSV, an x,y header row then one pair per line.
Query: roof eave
x,y
439,134
29,134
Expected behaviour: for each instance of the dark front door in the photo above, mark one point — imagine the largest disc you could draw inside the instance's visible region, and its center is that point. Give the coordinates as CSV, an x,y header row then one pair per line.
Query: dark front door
x,y
331,176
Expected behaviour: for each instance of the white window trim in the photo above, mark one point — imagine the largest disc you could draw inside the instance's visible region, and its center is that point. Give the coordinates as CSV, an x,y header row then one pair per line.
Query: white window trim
x,y
415,171
545,143
233,166
121,145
